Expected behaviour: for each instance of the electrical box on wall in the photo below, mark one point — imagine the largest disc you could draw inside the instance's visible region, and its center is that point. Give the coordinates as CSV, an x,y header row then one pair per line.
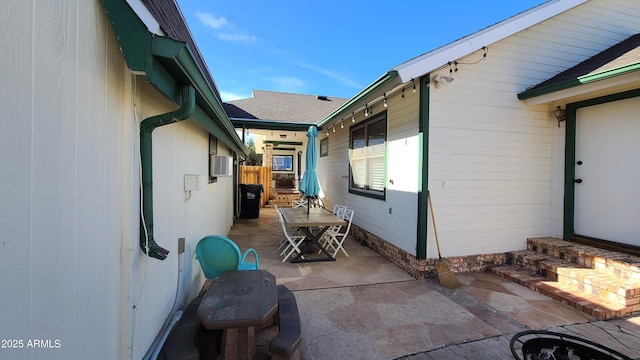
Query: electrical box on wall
x,y
190,182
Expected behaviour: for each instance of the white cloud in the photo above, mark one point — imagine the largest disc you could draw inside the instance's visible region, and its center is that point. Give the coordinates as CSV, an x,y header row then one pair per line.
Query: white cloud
x,y
218,23
237,37
332,74
288,83
212,21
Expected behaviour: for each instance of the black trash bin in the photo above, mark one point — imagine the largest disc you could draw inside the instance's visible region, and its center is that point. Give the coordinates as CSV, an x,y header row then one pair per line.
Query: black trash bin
x,y
250,200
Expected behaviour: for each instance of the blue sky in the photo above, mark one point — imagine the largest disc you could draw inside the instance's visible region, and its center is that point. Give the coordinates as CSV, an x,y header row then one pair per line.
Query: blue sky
x,y
333,48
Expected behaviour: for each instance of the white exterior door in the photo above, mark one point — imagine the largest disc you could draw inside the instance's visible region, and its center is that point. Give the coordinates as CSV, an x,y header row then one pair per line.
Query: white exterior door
x,y
607,189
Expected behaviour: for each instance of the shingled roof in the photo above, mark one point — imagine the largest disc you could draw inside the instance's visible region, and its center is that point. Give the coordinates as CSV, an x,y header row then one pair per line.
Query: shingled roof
x,y
610,62
283,107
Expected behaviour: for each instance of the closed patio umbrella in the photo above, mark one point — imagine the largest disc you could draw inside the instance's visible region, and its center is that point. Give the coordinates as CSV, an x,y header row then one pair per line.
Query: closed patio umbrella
x,y
309,184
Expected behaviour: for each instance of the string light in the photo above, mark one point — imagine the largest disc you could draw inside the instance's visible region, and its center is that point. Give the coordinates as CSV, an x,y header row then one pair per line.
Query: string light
x,y
327,132
369,106
334,127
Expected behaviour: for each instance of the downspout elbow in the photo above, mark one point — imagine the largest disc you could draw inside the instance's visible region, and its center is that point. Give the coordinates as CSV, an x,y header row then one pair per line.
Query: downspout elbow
x,y
147,242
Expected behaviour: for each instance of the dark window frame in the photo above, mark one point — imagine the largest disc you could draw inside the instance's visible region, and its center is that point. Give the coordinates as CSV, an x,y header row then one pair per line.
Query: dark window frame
x,y
366,189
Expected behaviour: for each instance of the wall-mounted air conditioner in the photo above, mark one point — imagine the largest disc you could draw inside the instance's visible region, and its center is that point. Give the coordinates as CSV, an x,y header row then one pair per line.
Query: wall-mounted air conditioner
x,y
221,166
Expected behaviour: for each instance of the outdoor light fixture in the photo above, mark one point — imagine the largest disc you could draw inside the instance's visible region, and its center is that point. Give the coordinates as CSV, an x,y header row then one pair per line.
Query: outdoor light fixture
x,y
438,79
560,114
353,117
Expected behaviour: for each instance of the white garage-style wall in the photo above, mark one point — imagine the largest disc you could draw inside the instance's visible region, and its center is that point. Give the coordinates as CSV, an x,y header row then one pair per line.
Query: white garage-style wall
x,y
63,145
72,273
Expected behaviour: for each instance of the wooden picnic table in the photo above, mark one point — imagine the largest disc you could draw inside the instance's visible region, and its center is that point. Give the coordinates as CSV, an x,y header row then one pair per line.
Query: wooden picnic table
x,y
237,301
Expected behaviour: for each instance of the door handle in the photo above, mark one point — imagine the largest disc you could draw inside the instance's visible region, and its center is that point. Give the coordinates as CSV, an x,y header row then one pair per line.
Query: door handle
x,y
578,181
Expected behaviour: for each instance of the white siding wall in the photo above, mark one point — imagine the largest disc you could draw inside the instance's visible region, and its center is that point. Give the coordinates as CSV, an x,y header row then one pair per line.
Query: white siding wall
x,y
496,165
178,149
394,219
61,140
70,265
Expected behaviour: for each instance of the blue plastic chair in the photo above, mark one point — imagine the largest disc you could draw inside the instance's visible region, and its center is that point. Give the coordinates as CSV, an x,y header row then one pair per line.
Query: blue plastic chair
x,y
218,254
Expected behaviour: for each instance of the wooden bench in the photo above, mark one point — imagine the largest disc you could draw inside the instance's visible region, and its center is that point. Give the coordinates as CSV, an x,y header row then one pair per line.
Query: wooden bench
x,y
286,344
189,340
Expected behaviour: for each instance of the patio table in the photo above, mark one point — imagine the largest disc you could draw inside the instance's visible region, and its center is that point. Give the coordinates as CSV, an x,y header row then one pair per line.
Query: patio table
x,y
306,219
237,302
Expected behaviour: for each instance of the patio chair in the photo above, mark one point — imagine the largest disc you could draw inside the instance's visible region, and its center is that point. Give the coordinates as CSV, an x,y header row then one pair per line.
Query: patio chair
x,y
339,209
302,202
335,238
218,254
296,203
293,241
283,240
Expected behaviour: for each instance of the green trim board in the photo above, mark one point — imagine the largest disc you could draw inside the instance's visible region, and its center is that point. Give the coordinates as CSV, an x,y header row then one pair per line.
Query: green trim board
x,y
580,80
423,165
366,92
570,153
270,125
168,64
279,142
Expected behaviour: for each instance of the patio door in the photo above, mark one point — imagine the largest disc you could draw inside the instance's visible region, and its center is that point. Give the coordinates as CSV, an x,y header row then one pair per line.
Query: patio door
x,y
607,171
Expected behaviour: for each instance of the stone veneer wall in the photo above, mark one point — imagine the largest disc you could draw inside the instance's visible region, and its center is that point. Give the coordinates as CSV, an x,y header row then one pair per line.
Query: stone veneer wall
x,y
425,268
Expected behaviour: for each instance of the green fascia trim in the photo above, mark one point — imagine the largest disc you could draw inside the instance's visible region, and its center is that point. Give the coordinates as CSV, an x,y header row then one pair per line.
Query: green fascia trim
x,y
581,80
133,37
570,154
208,102
423,165
382,80
166,64
278,142
270,125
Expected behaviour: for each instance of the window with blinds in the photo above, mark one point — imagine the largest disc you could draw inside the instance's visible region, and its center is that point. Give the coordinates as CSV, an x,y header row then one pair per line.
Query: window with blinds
x,y
367,143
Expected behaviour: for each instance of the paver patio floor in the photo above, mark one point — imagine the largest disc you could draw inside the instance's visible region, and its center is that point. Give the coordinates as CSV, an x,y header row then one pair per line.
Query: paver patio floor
x,y
364,307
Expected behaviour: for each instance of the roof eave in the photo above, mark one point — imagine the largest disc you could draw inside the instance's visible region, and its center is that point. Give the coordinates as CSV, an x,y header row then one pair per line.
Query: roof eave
x,y
145,53
382,81
581,80
435,59
270,124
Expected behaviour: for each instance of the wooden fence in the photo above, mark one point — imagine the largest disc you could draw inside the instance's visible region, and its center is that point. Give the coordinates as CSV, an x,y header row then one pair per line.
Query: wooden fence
x,y
257,175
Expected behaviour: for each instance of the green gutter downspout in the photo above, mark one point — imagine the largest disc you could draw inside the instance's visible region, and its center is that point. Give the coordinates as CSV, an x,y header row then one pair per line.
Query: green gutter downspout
x,y
147,242
423,166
